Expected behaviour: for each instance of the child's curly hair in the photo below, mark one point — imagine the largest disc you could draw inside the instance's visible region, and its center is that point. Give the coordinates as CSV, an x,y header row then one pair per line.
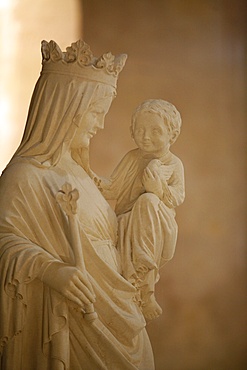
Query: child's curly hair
x,y
165,110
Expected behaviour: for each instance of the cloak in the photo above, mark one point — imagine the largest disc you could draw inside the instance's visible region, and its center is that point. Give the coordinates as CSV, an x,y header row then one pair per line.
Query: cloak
x,y
39,328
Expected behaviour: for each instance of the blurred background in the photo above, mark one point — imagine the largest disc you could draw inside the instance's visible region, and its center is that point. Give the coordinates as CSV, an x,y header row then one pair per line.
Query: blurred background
x,y
193,54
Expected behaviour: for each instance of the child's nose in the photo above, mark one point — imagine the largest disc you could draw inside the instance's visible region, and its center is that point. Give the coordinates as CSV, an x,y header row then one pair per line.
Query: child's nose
x,y
146,135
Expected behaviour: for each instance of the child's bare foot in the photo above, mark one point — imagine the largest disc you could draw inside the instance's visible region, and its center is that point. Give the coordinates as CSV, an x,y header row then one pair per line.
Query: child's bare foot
x,y
151,309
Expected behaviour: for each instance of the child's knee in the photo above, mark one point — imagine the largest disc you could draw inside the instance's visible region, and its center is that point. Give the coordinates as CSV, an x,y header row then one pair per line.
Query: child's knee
x,y
148,200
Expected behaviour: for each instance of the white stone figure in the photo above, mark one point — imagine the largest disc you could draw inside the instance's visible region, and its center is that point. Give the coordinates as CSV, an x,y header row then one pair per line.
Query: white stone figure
x,y
148,185
42,288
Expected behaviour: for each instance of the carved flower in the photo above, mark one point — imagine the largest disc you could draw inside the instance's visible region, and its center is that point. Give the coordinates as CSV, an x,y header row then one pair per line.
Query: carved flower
x,y
45,50
55,52
79,51
71,54
113,65
51,51
119,63
106,61
85,55
67,198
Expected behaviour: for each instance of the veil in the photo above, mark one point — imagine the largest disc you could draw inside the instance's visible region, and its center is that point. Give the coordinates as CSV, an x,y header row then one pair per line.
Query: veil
x,y
50,126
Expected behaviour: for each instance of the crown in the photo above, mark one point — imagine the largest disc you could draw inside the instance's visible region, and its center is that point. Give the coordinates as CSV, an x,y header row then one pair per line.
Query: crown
x,y
78,60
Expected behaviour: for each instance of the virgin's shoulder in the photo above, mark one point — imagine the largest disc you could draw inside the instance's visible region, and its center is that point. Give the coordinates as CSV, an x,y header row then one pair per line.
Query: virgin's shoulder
x,y
25,175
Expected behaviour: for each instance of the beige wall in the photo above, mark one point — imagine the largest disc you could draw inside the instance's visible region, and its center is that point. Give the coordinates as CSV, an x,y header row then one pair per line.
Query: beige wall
x,y
193,54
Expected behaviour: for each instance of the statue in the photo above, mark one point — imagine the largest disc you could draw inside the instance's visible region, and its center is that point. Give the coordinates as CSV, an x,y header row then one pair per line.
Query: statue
x,y
147,184
64,303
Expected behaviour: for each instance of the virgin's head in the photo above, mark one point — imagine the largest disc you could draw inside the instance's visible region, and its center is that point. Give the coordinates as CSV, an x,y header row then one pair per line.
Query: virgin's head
x,y
92,118
70,101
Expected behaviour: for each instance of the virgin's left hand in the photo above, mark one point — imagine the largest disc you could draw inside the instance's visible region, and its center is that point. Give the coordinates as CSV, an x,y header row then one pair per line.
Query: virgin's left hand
x,y
152,182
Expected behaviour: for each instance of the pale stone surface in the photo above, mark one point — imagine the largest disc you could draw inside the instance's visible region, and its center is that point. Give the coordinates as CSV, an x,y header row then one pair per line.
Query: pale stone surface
x,y
148,184
46,280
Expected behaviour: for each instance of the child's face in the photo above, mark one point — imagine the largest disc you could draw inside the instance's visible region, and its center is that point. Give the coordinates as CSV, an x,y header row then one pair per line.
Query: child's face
x,y
151,134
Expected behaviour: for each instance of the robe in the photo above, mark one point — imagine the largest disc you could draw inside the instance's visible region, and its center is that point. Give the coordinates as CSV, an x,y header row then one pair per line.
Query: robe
x,y
39,328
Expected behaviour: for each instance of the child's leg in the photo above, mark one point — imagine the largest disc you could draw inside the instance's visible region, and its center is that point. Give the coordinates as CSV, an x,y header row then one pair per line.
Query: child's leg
x,y
146,287
147,235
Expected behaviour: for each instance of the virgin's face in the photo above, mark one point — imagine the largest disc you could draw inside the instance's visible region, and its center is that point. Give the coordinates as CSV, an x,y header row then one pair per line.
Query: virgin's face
x,y
92,120
151,133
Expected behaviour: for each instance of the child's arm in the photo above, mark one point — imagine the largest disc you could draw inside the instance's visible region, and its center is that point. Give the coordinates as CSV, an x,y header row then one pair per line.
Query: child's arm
x,y
112,187
171,192
174,189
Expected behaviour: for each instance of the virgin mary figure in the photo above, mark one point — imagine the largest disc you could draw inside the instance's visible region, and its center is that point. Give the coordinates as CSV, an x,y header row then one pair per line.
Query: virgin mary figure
x,y
42,292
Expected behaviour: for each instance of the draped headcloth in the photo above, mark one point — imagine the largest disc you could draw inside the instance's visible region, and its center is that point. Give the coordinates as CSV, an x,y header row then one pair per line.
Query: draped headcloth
x,y
68,83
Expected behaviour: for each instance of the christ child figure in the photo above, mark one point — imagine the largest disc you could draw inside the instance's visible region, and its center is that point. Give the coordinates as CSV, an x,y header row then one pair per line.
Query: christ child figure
x,y
147,184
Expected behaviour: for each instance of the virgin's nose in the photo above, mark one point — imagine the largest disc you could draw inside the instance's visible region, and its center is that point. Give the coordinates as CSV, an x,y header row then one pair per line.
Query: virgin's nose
x,y
100,122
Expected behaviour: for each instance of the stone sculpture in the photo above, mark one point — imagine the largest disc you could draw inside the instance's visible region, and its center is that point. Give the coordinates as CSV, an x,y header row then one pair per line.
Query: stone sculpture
x,y
147,184
45,286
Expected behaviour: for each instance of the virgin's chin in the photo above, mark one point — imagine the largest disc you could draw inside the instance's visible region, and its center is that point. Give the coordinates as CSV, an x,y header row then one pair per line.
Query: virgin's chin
x,y
80,146
85,143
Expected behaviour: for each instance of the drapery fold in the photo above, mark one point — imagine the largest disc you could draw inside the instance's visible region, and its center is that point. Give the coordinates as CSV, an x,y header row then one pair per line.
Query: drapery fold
x,y
30,240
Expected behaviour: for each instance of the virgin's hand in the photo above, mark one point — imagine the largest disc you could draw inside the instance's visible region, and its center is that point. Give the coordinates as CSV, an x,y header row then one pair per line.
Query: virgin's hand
x,y
152,182
70,282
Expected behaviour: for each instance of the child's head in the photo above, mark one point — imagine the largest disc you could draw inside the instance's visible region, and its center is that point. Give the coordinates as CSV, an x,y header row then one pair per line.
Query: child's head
x,y
167,111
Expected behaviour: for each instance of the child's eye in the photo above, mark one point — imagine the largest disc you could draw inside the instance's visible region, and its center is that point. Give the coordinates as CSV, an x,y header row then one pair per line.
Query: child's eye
x,y
156,132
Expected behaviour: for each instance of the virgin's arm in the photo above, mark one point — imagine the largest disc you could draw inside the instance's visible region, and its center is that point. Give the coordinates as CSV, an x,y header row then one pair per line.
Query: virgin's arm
x,y
105,185
33,241
22,261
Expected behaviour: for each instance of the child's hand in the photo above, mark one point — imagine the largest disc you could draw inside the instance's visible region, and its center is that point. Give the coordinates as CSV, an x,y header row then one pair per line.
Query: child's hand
x,y
152,182
154,165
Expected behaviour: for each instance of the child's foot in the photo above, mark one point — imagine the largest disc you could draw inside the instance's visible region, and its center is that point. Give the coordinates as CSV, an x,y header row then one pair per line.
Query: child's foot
x,y
151,309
